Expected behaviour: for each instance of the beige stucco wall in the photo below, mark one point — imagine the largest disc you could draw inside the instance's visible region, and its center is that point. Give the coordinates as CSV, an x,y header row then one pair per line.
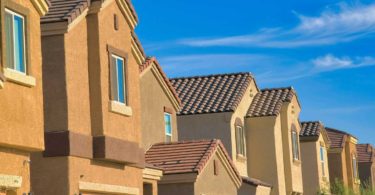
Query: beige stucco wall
x,y
293,168
241,111
208,183
337,166
313,179
153,101
265,152
180,189
247,189
350,150
366,173
150,187
21,106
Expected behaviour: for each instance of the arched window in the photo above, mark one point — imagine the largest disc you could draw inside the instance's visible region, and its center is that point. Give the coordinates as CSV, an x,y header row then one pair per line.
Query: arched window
x,y
295,145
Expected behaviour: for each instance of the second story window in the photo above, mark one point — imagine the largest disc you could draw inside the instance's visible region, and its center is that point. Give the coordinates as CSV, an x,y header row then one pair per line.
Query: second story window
x,y
295,145
322,160
240,140
354,167
15,41
118,79
168,127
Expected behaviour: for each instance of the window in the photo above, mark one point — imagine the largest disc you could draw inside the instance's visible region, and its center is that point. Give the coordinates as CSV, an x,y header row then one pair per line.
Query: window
x,y
168,127
15,41
295,145
118,79
354,166
322,160
240,140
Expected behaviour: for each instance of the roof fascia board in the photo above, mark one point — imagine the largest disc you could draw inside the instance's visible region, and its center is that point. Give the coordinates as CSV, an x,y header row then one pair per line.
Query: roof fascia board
x,y
140,59
153,174
41,6
126,11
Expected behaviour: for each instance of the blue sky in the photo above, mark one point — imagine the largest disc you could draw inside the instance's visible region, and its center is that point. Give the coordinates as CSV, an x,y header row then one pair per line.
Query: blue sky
x,y
324,49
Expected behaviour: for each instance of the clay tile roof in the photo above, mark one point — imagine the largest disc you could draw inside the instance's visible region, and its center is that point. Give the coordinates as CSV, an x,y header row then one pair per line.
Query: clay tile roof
x,y
311,128
185,156
149,61
211,93
255,182
366,153
68,10
268,102
337,137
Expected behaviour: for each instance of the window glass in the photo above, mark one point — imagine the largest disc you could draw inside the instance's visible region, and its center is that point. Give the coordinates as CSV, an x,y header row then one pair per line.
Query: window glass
x,y
354,164
168,127
322,160
240,140
15,41
118,79
295,145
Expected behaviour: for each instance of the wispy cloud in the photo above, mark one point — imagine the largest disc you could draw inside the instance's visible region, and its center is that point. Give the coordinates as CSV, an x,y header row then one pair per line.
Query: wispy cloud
x,y
330,62
343,24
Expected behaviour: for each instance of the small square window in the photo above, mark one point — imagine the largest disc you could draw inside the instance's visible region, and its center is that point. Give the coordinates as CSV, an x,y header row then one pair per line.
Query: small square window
x,y
15,41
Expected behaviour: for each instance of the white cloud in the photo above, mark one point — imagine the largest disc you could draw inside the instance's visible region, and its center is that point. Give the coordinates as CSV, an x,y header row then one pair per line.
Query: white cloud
x,y
331,62
346,24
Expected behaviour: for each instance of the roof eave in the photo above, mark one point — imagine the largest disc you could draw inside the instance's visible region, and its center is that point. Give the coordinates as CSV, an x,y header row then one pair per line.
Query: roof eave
x,y
41,6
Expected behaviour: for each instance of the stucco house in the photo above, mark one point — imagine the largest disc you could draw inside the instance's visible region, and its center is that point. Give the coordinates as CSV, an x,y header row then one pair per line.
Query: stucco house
x,y
21,95
92,100
272,134
314,143
343,158
194,168
159,105
366,165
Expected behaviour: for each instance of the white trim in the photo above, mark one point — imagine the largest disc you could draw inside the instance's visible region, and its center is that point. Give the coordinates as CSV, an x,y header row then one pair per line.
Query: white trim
x,y
107,189
120,108
19,78
153,174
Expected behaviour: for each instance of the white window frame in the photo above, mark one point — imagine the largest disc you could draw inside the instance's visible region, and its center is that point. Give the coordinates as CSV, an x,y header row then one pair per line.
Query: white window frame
x,y
355,166
165,126
295,145
241,144
322,160
24,42
116,57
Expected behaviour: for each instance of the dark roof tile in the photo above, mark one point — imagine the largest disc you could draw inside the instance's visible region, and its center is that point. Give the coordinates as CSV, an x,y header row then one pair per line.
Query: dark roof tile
x,y
337,137
211,93
268,102
366,153
312,128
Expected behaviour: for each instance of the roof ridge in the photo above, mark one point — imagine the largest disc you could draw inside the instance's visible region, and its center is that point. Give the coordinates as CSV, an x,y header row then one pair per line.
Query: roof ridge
x,y
277,88
311,122
212,75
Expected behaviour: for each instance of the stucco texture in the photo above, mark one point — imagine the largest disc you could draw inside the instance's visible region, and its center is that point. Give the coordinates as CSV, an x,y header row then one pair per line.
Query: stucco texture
x,y
153,101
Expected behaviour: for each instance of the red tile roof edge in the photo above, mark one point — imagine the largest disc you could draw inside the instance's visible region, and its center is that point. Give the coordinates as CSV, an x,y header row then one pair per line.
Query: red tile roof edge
x,y
148,63
366,149
340,131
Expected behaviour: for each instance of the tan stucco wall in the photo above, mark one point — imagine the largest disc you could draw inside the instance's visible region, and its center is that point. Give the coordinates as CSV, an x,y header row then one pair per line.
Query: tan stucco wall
x,y
153,101
350,150
208,183
152,187
180,189
16,163
247,189
366,173
293,168
265,152
313,179
337,167
241,111
22,106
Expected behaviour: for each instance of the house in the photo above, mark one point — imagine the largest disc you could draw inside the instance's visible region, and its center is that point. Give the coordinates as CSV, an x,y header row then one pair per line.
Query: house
x,y
366,165
343,159
314,143
214,106
272,134
92,100
159,105
21,95
194,168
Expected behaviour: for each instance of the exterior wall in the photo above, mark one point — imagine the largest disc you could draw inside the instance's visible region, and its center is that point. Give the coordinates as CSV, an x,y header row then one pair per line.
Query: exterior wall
x,y
241,111
313,178
21,105
247,189
206,126
366,174
337,167
265,152
153,101
22,125
263,190
350,150
180,189
77,100
293,168
209,183
150,187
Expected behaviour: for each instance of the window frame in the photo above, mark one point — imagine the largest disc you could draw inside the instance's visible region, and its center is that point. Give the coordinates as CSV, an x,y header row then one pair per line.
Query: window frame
x,y
322,160
240,144
165,127
118,54
355,167
295,145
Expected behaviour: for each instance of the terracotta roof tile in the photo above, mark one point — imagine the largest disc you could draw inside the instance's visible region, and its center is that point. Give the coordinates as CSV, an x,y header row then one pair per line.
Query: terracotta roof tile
x,y
149,62
337,137
366,153
186,156
268,102
312,128
68,10
255,182
211,93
